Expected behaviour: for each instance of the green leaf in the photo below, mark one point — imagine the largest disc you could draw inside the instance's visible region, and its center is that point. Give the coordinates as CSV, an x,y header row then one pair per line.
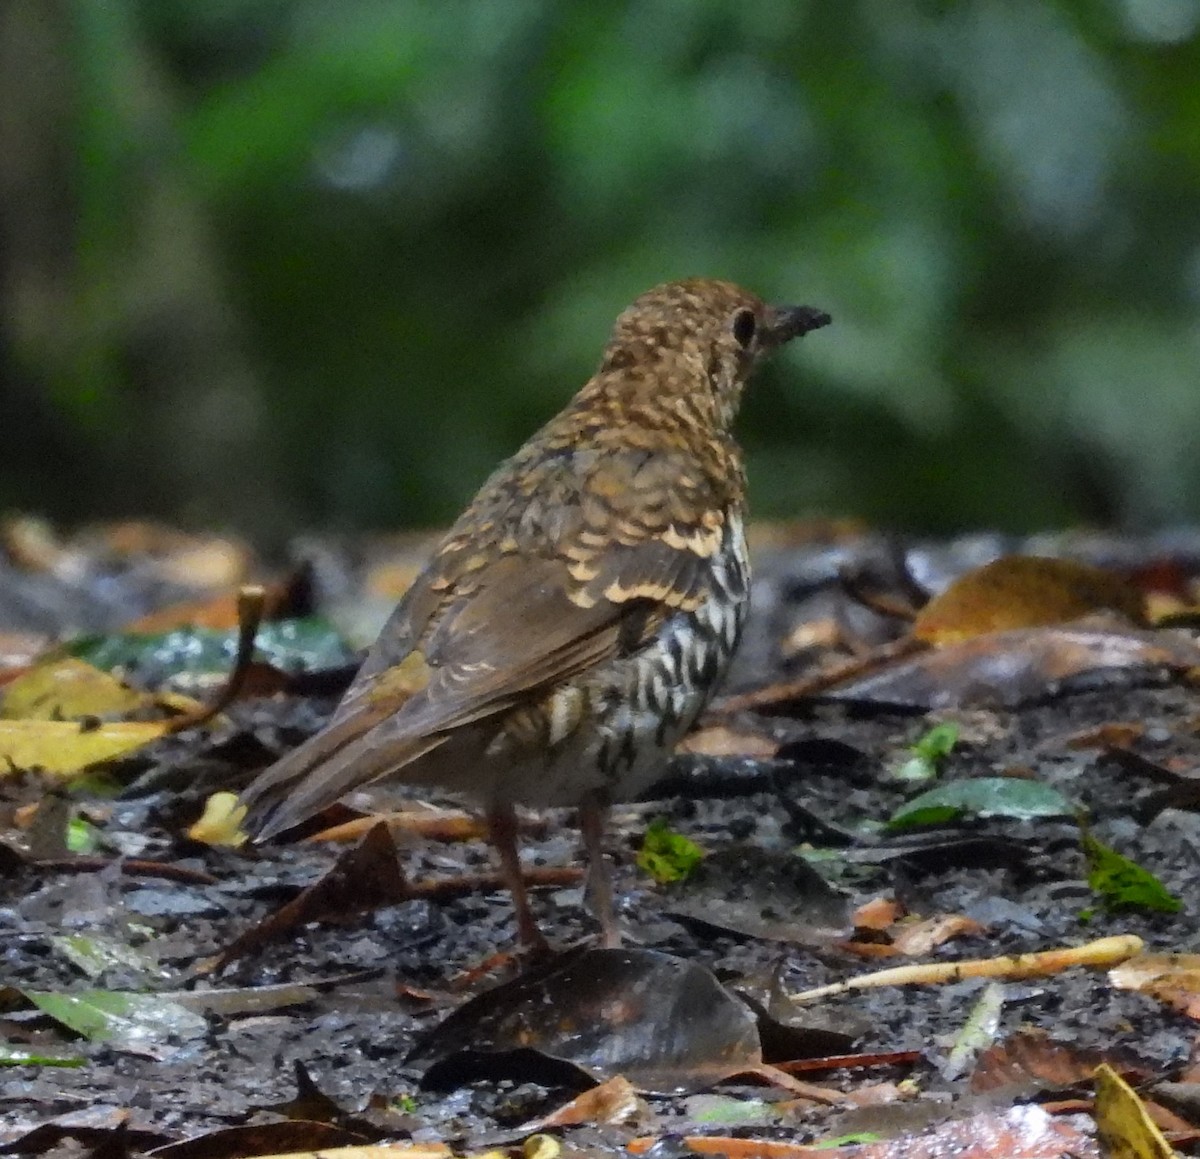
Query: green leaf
x,y
981,797
95,954
142,1022
1122,884
666,855
292,645
11,1056
726,1109
82,836
929,753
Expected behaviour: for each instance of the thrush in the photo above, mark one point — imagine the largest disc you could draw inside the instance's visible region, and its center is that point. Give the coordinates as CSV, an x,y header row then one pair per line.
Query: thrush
x,y
576,619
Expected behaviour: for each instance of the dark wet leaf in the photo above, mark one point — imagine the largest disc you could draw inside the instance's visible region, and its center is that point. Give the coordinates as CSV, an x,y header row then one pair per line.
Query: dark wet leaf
x,y
1008,669
667,1025
286,1137
1012,797
764,894
94,1126
363,878
310,1103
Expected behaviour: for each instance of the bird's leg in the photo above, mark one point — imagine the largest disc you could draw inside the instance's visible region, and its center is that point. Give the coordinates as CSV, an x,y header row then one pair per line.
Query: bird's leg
x,y
593,819
502,832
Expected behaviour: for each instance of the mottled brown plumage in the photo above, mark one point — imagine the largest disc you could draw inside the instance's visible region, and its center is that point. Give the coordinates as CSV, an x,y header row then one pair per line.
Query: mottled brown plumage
x,y
573,623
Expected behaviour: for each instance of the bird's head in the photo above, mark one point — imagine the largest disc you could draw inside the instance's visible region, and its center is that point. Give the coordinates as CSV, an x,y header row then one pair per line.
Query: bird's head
x,y
701,335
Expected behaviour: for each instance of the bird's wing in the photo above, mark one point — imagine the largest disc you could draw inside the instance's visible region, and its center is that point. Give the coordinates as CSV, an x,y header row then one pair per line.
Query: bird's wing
x,y
517,622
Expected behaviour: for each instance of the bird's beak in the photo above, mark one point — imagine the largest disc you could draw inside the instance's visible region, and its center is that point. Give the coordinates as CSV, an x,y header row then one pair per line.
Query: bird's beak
x,y
787,322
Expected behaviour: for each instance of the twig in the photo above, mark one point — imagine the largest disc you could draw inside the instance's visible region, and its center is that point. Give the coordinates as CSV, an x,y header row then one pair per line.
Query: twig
x,y
1103,953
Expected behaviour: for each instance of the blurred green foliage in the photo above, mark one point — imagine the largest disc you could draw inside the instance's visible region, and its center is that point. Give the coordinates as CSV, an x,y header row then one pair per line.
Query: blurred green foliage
x,y
325,262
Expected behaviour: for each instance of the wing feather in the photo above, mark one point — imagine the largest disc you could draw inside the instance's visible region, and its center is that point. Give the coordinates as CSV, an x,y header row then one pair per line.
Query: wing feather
x,y
482,631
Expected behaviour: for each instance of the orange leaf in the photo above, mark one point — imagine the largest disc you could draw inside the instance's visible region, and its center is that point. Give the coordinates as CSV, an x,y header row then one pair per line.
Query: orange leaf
x,y
1024,591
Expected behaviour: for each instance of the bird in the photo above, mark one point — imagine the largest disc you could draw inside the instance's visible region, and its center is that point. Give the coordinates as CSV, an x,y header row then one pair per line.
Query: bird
x,y
574,622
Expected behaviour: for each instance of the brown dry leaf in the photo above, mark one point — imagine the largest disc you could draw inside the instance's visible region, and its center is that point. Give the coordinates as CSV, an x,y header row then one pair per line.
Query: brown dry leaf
x,y
1024,591
223,610
1031,1060
923,936
878,914
64,747
198,561
286,1137
433,824
219,612
1125,1130
613,1101
363,878
1173,979
1114,735
719,741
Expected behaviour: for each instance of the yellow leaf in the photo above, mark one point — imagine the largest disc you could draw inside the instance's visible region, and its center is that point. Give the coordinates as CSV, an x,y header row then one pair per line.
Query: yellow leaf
x,y
1125,1130
218,825
1024,591
63,747
66,688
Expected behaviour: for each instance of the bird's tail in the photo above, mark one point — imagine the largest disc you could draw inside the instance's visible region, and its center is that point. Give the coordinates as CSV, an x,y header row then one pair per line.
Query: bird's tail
x,y
346,754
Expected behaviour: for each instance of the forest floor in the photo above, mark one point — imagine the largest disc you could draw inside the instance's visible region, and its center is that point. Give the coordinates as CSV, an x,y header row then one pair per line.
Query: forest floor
x,y
158,993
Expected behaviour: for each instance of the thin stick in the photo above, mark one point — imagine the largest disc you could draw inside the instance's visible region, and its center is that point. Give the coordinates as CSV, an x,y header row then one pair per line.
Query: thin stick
x,y
1099,954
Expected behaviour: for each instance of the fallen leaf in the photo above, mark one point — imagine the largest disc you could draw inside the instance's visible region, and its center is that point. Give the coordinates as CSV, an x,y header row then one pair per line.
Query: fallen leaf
x,y
1122,884
65,747
1008,669
1173,979
1025,1132
981,797
1125,1130
1024,591
922,937
1114,735
141,1023
718,741
613,1101
219,823
363,878
64,688
1030,1061
663,1023
878,914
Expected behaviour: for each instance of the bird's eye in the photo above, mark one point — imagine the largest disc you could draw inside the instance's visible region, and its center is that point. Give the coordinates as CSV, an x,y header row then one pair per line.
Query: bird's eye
x,y
744,325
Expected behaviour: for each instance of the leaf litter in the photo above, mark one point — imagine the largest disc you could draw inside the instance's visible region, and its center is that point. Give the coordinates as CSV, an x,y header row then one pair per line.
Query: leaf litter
x,y
349,985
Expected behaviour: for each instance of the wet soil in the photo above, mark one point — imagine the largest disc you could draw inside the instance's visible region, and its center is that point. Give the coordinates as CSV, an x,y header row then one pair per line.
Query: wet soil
x,y
383,979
